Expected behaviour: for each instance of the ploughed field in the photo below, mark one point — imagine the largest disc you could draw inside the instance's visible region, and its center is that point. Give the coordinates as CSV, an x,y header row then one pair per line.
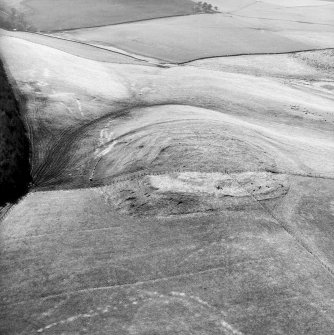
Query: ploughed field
x,y
168,198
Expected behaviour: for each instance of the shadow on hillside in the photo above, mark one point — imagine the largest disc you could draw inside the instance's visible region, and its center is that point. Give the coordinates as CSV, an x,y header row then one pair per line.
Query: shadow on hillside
x,y
14,145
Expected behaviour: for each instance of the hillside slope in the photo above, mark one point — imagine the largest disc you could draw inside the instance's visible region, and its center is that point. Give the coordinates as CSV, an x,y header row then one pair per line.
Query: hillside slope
x,y
171,199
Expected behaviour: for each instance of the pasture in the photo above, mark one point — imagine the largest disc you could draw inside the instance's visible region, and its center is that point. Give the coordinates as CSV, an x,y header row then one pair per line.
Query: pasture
x,y
201,36
74,262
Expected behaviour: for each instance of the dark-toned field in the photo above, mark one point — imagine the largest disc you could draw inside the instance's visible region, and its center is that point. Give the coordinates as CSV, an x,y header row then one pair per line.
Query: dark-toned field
x,y
14,145
68,14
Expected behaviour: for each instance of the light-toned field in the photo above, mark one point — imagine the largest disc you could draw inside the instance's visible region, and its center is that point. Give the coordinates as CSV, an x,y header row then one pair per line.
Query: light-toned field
x,y
186,39
171,199
77,49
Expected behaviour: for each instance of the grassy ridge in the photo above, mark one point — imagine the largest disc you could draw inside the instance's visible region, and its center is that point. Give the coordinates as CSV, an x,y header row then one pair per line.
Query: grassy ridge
x,y
14,145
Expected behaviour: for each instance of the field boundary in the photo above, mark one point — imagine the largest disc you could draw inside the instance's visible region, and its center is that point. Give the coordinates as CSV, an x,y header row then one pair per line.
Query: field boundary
x,y
256,54
121,23
130,55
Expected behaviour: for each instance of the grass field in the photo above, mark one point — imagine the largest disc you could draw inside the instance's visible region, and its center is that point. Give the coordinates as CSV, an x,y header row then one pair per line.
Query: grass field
x,y
199,36
67,14
76,263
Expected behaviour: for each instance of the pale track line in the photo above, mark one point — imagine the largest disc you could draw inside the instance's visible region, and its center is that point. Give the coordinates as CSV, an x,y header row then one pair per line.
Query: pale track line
x,y
301,243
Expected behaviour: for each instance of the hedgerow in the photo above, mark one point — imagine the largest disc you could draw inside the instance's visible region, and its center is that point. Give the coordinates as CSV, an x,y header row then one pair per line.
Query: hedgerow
x,y
11,19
